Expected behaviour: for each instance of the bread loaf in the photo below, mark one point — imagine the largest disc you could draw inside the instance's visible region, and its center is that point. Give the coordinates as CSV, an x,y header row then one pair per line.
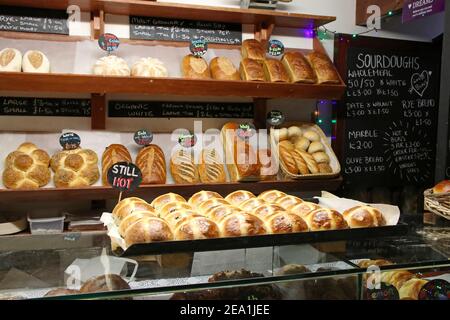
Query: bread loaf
x,y
266,210
170,207
251,70
321,157
211,203
36,62
152,163
442,187
241,224
301,144
316,146
324,168
75,168
274,71
270,195
149,67
132,218
300,163
26,168
183,168
323,68
217,213
193,67
311,135
304,208
10,60
196,228
178,216
325,219
202,196
147,230
396,278
285,222
410,289
253,49
287,201
211,167
237,197
298,68
250,204
127,206
113,153
223,69
160,201
111,66
364,217
310,162
287,158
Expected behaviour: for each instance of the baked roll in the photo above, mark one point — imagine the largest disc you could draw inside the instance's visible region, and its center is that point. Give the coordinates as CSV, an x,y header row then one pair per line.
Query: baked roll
x,y
274,71
396,278
253,49
251,70
311,135
178,216
217,213
266,210
378,262
132,218
301,143
223,69
294,132
183,168
127,206
304,208
324,168
111,66
270,195
152,163
310,162
241,224
193,67
170,207
442,187
10,60
316,146
113,153
147,230
321,157
364,217
75,168
300,163
287,145
285,222
195,228
410,289
250,204
149,67
287,158
201,196
325,219
323,68
211,167
36,62
281,134
237,197
298,68
288,201
162,200
211,203
26,168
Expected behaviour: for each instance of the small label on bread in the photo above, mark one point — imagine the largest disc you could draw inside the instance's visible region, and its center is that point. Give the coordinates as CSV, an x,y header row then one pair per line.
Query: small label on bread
x,y
69,141
198,47
275,48
275,118
246,131
108,42
143,137
187,140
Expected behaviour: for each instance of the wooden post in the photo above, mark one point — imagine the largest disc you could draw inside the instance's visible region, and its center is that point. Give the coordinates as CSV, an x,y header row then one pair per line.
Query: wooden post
x,y
98,111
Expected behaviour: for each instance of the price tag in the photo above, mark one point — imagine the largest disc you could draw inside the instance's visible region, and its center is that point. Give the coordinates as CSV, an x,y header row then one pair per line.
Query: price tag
x,y
198,47
437,289
108,42
246,131
143,137
275,48
70,141
386,292
187,140
124,176
275,118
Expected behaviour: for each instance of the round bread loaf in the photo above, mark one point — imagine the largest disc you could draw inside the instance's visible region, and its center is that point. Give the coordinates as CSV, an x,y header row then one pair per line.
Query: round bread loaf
x,y
237,197
301,144
202,196
173,206
127,206
325,219
196,227
303,208
287,201
241,224
132,218
316,146
270,195
294,131
442,187
149,67
217,213
250,204
311,135
266,209
176,217
147,230
111,66
10,60
35,61
364,217
203,207
162,200
285,222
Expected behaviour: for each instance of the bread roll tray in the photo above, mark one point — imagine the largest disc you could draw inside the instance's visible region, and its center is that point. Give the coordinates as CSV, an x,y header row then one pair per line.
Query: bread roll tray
x,y
268,240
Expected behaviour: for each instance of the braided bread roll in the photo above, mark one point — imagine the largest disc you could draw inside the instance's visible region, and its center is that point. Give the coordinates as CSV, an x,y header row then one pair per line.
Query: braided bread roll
x,y
113,153
325,219
210,167
160,201
285,222
196,228
152,163
26,168
75,168
201,196
129,205
364,217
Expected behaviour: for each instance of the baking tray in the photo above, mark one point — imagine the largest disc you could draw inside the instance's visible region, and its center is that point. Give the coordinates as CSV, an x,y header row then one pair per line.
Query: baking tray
x,y
262,241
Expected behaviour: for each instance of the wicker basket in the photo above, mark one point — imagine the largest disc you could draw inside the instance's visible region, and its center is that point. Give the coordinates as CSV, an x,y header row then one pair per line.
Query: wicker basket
x,y
438,203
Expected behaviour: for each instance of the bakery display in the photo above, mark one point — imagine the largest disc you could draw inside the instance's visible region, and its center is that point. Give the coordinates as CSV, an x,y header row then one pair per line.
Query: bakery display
x,y
107,282
237,197
253,49
26,168
223,69
127,206
193,67
152,163
364,217
111,66
325,219
162,200
251,70
274,71
323,68
35,61
147,230
298,68
210,167
241,224
285,222
75,168
114,153
183,168
149,67
10,60
201,196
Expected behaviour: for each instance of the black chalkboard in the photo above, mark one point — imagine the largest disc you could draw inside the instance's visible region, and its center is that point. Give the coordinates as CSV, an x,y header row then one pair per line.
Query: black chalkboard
x,y
151,28
164,109
389,114
45,107
33,20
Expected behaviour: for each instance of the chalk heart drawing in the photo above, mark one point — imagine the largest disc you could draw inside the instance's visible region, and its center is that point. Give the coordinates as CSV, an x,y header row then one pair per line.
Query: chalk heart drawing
x,y
420,81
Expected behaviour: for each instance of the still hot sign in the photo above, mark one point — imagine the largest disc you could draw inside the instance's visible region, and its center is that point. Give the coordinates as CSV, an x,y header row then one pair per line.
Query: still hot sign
x,y
124,176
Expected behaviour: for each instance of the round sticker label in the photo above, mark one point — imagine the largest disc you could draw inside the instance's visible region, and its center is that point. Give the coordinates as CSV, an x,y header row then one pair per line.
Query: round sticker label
x,y
124,176
69,141
386,292
187,140
437,289
108,42
275,48
198,47
143,137
275,118
246,131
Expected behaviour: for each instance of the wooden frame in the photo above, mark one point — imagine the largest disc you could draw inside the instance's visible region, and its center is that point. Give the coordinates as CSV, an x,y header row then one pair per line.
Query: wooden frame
x,y
386,6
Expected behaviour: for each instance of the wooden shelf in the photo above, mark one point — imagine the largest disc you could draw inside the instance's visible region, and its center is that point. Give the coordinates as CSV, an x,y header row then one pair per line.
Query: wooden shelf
x,y
151,191
85,5
72,83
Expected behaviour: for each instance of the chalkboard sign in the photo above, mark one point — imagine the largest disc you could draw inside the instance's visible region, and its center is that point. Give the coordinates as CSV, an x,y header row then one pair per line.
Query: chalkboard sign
x,y
389,112
124,176
151,28
33,20
45,107
164,109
